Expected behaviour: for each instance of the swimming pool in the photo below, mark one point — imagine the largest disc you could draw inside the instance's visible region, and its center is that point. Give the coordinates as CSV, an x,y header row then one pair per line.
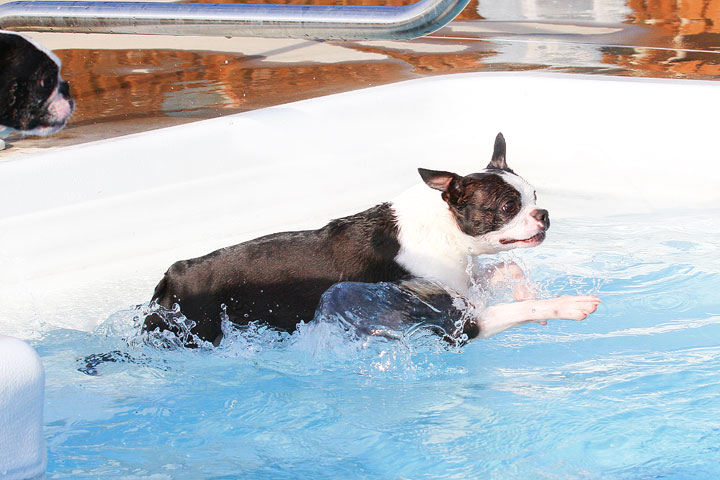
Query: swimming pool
x,y
628,393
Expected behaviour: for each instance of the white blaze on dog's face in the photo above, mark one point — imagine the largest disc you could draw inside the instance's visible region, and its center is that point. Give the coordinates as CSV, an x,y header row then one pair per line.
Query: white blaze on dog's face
x,y
34,99
495,208
527,228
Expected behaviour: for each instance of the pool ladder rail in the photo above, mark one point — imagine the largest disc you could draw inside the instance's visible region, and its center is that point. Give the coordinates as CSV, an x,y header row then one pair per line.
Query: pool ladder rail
x,y
316,22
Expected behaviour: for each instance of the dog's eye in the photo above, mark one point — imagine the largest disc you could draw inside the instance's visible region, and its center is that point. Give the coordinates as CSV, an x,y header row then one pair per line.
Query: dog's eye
x,y
46,81
510,207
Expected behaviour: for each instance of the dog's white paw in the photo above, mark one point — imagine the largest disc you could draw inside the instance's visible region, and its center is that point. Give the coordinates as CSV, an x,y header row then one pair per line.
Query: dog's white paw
x,y
571,307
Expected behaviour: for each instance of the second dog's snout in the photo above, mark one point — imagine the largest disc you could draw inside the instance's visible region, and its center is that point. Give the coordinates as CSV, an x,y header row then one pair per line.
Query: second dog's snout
x,y
542,216
64,90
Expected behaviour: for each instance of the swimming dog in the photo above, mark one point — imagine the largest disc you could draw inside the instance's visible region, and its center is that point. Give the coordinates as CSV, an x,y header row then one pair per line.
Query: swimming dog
x,y
34,99
426,233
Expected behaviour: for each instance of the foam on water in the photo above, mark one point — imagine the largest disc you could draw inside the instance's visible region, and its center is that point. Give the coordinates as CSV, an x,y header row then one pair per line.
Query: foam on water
x,y
631,392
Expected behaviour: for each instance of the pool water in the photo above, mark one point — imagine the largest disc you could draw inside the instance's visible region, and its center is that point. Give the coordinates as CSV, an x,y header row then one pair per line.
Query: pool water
x,y
632,392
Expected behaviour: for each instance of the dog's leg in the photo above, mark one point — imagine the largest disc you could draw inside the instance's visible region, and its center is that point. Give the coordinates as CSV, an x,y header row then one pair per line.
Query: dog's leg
x,y
510,272
498,318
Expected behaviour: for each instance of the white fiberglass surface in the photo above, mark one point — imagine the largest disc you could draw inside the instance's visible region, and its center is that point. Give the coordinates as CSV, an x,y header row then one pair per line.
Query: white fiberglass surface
x,y
93,227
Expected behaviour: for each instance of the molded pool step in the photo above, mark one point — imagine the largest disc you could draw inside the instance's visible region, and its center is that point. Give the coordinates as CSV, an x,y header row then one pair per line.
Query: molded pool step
x,y
22,388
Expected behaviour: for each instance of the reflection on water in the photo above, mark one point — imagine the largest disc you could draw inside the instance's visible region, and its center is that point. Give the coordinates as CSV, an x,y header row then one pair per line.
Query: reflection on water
x,y
691,30
167,85
129,83
602,11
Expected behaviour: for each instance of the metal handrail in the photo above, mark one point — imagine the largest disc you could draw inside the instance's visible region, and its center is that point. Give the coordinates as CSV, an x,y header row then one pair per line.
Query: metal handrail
x,y
318,22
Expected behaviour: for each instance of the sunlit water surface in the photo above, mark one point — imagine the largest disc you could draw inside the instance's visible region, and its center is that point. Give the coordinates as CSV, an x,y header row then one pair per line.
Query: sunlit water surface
x,y
632,392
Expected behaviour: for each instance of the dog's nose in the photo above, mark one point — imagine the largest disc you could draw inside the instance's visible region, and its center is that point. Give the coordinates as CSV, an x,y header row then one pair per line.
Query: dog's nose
x,y
64,88
542,216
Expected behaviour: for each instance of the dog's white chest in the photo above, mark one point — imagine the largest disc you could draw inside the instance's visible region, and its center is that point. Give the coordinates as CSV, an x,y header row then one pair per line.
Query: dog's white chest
x,y
431,244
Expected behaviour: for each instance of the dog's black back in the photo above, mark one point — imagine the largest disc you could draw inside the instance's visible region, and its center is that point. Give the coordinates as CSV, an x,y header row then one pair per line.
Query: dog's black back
x,y
279,279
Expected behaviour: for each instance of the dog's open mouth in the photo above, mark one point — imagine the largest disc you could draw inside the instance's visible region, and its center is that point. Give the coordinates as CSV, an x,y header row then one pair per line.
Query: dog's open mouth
x,y
535,239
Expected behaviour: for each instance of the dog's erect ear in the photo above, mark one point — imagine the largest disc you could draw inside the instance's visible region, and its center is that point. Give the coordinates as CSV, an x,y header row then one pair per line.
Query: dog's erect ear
x,y
450,184
437,179
498,158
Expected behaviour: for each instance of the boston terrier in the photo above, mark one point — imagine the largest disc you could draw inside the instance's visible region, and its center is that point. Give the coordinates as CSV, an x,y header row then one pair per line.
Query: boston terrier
x,y
426,234
34,100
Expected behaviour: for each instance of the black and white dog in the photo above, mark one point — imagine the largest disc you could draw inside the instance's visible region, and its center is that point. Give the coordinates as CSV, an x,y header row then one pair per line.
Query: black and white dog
x,y
34,99
425,234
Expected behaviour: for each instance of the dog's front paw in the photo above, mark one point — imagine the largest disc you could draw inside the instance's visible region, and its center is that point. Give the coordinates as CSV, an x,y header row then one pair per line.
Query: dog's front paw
x,y
524,291
572,307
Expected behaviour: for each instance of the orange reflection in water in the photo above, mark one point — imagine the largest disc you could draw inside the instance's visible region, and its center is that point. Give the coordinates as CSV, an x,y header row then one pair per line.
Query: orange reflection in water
x,y
124,84
679,38
692,29
118,85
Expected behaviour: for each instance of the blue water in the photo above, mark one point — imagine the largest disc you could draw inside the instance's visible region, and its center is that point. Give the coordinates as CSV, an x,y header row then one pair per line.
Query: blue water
x,y
633,392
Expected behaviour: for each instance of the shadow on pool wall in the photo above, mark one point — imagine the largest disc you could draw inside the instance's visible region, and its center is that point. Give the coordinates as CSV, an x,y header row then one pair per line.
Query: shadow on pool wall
x,y
126,84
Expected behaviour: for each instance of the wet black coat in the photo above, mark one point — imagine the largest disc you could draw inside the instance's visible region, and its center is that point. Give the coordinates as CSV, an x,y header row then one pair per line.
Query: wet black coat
x,y
279,279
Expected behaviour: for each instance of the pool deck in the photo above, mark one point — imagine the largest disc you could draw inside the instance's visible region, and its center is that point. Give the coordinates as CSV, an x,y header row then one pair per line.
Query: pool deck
x,y
126,84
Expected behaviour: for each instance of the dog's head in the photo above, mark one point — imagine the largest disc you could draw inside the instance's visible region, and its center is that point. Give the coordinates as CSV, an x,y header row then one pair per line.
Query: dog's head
x,y
33,98
495,206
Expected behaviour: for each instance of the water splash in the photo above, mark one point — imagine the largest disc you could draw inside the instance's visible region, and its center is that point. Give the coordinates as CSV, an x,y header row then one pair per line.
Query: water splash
x,y
128,325
322,345
366,328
